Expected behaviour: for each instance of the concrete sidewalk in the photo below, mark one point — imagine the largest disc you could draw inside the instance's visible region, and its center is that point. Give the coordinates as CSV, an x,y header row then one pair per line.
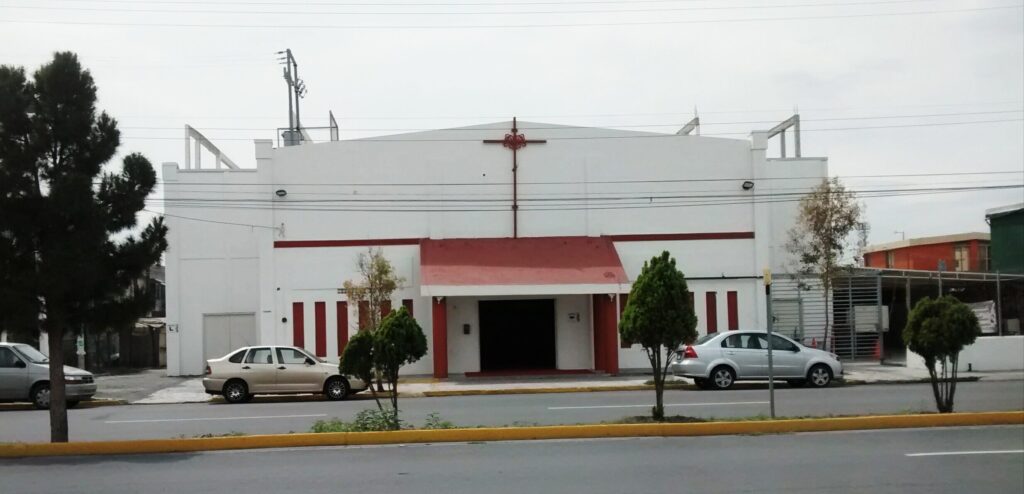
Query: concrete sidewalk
x,y
191,390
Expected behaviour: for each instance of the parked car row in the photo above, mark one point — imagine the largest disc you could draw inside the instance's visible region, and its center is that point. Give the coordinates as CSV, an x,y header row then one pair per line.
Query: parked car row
x,y
718,360
271,369
715,361
25,375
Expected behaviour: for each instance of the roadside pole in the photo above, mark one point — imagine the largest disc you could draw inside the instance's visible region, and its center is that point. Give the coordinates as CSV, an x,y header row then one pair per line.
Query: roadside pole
x,y
771,368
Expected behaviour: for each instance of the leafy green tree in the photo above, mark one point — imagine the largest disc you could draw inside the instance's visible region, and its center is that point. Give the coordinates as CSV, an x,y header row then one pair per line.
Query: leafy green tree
x,y
937,330
71,253
397,342
660,318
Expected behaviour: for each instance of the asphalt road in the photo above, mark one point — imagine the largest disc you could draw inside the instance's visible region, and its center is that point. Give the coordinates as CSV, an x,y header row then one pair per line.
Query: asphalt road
x,y
926,461
164,421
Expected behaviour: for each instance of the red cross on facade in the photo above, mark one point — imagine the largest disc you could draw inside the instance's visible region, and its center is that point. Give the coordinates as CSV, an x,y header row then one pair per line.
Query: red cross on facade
x,y
515,141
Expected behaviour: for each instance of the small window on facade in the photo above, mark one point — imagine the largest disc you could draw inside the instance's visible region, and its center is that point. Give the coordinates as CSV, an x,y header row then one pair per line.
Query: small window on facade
x,y
961,257
983,259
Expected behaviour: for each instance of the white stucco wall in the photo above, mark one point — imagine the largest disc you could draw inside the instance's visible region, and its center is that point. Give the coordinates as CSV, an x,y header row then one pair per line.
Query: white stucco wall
x,y
217,266
747,293
988,353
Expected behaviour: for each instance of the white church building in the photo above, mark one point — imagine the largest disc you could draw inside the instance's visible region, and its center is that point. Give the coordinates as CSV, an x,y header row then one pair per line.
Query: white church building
x,y
517,247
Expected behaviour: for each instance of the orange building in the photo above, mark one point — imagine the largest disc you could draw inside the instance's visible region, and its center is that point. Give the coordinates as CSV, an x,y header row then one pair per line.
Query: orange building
x,y
960,252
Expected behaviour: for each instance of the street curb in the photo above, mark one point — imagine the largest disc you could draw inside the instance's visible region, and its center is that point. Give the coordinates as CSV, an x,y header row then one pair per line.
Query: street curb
x,y
509,434
83,404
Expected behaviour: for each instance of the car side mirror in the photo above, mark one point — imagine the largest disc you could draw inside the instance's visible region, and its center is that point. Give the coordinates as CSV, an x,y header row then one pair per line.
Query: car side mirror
x,y
309,361
19,364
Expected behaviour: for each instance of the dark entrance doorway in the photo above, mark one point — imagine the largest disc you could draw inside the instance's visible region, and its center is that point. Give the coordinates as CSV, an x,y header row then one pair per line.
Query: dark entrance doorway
x,y
517,334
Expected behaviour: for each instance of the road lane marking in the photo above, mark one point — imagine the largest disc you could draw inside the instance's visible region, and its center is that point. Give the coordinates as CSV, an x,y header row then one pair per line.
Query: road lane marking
x,y
648,405
145,421
959,453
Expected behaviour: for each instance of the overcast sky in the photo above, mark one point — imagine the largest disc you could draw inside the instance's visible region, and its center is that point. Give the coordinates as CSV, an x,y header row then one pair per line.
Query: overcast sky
x,y
921,68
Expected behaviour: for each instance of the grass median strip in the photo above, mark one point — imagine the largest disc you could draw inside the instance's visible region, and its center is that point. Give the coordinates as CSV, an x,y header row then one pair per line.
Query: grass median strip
x,y
511,434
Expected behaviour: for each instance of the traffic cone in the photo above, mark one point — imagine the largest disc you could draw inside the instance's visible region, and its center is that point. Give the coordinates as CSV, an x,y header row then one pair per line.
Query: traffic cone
x,y
878,351
814,343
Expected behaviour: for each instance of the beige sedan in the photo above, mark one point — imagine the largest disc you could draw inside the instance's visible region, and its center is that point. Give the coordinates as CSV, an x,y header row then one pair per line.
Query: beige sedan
x,y
270,369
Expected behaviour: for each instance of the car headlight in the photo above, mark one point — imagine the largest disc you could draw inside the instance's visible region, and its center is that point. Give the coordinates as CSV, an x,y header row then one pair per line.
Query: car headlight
x,y
74,379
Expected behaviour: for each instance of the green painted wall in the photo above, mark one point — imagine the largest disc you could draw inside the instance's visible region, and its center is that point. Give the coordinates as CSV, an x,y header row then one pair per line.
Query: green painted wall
x,y
1007,247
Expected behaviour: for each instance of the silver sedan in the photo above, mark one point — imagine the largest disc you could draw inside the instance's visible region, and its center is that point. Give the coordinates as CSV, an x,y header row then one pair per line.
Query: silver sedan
x,y
718,360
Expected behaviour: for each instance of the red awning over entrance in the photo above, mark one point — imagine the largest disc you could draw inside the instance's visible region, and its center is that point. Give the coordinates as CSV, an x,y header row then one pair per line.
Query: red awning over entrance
x,y
520,266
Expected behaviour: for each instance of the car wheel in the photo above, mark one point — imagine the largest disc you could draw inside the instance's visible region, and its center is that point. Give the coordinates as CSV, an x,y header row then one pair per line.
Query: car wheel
x,y
40,396
72,403
336,389
819,376
236,391
797,383
722,377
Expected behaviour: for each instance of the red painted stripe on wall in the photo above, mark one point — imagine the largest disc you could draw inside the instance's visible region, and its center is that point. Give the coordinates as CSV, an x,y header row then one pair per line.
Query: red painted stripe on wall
x,y
734,312
650,237
320,323
712,311
298,316
294,244
636,237
342,317
439,313
364,314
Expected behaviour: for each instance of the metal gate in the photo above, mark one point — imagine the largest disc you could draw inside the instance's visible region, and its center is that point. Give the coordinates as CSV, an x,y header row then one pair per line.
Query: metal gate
x,y
849,324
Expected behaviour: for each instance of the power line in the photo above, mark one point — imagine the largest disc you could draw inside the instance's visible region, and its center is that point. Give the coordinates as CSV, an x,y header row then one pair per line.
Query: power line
x,y
631,136
419,208
644,197
390,4
557,127
463,13
187,194
422,210
688,113
508,26
702,196
206,220
595,182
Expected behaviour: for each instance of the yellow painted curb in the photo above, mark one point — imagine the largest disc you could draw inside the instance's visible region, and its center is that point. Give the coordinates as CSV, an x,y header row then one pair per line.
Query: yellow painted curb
x,y
510,434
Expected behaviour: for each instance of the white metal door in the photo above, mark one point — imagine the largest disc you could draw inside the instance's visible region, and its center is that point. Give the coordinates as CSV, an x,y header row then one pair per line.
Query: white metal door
x,y
224,333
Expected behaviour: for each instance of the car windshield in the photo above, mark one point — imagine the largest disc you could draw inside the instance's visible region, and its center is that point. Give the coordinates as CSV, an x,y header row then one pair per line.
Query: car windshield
x,y
33,355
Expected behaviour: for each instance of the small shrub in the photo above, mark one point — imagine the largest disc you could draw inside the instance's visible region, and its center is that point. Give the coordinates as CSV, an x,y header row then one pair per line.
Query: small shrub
x,y
365,421
434,422
332,425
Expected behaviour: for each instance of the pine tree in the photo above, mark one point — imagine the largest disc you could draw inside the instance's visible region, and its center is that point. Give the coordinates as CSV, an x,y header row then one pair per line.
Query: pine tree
x,y
71,253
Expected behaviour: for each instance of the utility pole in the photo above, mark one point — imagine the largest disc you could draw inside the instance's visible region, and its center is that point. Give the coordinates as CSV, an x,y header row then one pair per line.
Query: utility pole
x,y
296,90
771,368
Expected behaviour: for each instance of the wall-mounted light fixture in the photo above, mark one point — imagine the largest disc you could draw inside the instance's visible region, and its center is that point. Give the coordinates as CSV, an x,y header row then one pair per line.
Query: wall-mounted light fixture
x,y
281,192
747,185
